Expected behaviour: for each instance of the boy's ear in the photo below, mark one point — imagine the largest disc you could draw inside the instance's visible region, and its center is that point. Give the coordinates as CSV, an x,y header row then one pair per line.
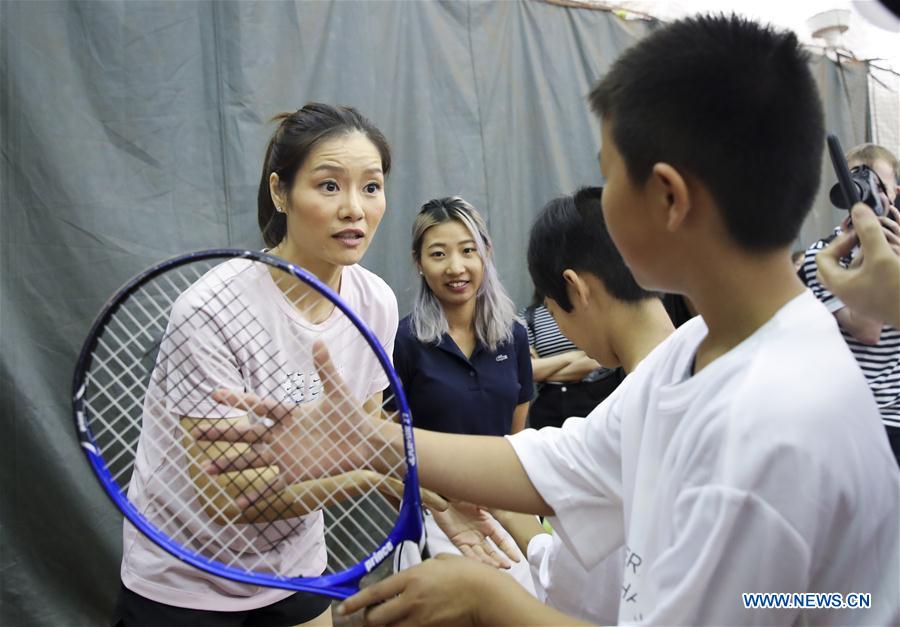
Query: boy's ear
x,y
577,288
677,198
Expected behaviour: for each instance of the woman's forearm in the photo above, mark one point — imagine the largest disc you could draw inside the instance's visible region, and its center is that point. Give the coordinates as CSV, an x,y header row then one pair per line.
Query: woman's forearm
x,y
522,527
577,369
520,417
543,368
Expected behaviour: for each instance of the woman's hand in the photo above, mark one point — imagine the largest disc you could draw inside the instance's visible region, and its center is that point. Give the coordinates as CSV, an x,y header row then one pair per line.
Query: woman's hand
x,y
329,437
469,526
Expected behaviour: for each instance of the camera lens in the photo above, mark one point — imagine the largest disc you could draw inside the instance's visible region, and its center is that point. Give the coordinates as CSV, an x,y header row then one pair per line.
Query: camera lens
x,y
836,195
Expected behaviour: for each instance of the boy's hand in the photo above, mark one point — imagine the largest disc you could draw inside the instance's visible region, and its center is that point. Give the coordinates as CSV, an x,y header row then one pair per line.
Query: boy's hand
x,y
446,590
873,285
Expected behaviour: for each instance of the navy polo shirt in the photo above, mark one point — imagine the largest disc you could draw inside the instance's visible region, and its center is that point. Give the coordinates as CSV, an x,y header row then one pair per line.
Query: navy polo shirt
x,y
449,392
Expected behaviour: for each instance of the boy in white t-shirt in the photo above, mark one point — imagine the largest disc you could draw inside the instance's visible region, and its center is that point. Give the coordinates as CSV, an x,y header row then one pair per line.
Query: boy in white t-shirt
x,y
598,306
745,453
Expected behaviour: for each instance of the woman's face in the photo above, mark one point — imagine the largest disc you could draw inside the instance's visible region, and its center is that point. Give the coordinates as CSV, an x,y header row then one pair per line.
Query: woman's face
x,y
887,176
336,202
450,263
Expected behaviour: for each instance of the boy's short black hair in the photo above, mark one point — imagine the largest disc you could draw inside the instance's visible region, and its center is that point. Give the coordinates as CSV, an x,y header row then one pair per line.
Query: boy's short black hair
x,y
730,102
570,232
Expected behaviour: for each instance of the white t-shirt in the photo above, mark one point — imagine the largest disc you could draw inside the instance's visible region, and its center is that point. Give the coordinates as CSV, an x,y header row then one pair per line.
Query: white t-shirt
x,y
235,329
560,580
767,471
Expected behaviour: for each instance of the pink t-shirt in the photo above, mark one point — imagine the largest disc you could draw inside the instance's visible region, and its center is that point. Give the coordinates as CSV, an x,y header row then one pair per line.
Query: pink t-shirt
x,y
235,329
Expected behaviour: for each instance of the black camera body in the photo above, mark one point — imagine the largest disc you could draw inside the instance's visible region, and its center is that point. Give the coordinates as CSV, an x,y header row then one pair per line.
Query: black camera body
x,y
868,187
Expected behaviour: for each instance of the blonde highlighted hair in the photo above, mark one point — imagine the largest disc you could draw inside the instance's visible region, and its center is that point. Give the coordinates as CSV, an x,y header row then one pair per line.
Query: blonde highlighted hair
x,y
494,309
868,154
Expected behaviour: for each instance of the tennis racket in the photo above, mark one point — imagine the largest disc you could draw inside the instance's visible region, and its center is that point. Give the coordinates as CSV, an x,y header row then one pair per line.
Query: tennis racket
x,y
162,359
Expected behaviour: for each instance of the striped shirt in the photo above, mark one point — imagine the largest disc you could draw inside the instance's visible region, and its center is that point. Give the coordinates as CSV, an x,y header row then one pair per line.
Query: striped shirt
x,y
547,340
880,363
543,334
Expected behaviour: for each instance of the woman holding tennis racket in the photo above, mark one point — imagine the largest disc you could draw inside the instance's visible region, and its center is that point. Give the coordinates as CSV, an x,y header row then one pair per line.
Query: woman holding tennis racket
x,y
321,198
464,362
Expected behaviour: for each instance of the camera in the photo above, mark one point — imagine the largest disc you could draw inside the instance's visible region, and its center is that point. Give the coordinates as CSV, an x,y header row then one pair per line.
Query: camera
x,y
868,187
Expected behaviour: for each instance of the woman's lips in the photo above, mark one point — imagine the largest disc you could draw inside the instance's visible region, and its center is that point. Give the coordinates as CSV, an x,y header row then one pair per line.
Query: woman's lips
x,y
350,238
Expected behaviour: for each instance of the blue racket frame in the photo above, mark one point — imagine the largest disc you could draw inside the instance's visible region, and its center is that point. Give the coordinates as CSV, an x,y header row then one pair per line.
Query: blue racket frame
x,y
340,585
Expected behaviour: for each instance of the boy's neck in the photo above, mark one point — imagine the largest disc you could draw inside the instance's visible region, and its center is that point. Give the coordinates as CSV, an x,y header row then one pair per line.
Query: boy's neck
x,y
637,328
738,296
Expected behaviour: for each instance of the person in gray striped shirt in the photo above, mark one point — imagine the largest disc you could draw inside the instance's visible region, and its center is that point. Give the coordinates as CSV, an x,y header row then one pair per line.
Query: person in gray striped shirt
x,y
875,345
569,382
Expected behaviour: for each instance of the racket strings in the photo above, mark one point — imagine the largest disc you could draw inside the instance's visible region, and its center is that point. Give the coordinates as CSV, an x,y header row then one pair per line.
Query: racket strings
x,y
150,330
147,348
282,505
113,362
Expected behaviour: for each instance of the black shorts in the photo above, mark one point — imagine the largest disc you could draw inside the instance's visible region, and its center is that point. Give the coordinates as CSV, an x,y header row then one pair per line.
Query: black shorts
x,y
133,610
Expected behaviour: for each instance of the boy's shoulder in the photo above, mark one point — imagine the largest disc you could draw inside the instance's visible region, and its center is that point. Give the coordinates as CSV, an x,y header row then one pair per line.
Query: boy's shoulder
x,y
791,378
784,405
798,396
799,364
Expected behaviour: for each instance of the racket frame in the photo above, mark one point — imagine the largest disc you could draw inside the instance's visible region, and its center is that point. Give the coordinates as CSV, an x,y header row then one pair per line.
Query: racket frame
x,y
340,585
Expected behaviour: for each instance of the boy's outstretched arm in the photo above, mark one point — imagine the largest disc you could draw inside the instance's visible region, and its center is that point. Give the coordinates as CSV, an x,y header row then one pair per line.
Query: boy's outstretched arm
x,y
451,590
478,469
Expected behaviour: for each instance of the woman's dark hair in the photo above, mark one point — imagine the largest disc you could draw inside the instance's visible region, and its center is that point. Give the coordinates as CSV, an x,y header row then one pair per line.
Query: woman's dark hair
x,y
296,136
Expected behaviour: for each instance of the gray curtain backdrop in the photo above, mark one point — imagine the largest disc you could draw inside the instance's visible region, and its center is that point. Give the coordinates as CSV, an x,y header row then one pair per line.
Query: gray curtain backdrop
x,y
844,91
131,131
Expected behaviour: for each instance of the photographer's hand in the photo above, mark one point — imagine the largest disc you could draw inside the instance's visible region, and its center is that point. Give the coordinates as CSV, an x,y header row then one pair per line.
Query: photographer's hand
x,y
890,224
873,286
